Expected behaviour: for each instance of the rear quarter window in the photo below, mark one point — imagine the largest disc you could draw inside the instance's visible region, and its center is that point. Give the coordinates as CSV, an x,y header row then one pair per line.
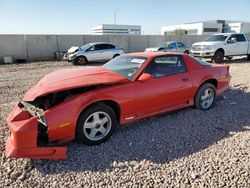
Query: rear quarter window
x,y
201,62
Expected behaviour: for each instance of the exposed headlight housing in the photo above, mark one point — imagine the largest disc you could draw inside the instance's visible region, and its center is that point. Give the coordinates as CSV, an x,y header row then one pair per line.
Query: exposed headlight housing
x,y
72,55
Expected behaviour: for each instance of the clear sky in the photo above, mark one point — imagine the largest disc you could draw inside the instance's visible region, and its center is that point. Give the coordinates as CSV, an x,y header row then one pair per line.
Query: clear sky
x,y
79,16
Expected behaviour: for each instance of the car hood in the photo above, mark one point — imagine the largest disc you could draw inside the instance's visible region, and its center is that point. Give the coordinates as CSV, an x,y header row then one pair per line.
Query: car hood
x,y
73,49
73,78
208,43
153,49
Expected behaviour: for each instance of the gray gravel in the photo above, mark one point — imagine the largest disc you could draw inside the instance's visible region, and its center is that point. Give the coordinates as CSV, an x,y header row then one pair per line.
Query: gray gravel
x,y
185,148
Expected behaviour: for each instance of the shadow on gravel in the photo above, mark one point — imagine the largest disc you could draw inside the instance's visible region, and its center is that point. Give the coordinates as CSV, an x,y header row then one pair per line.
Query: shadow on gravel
x,y
236,60
160,139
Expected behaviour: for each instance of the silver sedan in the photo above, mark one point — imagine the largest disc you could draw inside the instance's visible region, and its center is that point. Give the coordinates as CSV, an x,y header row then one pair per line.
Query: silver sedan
x,y
97,52
172,46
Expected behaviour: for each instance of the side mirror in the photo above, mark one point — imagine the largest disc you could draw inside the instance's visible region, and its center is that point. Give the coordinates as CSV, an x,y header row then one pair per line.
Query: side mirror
x,y
232,40
144,77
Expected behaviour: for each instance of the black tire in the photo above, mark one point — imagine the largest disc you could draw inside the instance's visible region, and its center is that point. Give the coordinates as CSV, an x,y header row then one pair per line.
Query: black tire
x,y
218,56
82,134
116,55
200,93
229,57
81,60
248,57
186,52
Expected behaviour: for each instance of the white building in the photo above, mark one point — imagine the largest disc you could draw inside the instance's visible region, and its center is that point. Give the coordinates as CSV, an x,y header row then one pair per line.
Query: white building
x,y
207,28
114,29
238,27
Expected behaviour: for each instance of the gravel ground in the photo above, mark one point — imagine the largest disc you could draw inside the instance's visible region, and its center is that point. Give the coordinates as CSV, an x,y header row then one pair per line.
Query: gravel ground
x,y
185,148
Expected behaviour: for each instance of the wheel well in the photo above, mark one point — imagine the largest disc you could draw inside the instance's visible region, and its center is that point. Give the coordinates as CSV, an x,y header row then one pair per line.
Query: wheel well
x,y
220,49
116,55
115,106
112,104
82,56
211,81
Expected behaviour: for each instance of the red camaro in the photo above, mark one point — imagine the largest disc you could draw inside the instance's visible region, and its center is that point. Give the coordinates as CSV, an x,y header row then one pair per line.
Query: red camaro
x,y
88,103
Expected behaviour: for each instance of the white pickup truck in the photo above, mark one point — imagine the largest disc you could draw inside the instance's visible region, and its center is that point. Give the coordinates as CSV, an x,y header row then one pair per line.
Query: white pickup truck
x,y
222,45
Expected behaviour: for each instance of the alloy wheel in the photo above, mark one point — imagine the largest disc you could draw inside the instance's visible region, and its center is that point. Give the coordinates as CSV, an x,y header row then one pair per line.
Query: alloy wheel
x,y
97,126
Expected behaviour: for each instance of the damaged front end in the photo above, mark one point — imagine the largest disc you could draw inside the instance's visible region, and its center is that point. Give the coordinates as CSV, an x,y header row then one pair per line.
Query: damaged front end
x,y
29,134
47,121
48,113
41,121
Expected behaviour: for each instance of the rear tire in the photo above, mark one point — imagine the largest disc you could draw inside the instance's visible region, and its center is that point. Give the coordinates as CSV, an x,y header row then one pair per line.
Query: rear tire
x,y
205,97
96,124
81,60
229,57
248,57
218,56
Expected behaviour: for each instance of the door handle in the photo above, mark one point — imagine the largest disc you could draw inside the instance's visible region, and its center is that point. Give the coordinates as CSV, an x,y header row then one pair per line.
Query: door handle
x,y
185,79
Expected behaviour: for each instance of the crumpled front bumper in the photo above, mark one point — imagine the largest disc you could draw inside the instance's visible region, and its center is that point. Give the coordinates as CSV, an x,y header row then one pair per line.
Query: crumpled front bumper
x,y
23,140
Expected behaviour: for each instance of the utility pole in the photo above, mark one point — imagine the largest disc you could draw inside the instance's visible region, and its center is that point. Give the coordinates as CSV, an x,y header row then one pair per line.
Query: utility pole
x,y
115,16
115,19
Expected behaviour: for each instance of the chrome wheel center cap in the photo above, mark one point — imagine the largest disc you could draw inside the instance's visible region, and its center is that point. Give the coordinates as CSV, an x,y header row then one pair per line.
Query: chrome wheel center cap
x,y
97,124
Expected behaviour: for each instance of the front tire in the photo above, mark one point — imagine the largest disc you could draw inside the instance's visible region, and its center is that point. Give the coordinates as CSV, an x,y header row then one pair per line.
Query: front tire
x,y
218,56
80,60
205,97
96,124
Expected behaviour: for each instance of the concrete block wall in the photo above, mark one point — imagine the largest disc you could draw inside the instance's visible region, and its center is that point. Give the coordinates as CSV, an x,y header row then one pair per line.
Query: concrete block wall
x,y
13,45
155,40
64,42
120,41
43,47
138,43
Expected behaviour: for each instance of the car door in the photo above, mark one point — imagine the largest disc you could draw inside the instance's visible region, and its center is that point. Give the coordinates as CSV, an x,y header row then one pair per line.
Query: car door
x,y
242,44
94,53
181,47
169,88
108,51
173,46
231,47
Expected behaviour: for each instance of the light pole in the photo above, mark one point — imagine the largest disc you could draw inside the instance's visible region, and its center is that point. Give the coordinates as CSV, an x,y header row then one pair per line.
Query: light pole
x,y
115,16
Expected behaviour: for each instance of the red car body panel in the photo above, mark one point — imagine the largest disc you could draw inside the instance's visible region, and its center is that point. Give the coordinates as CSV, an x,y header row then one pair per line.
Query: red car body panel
x,y
23,139
136,100
72,78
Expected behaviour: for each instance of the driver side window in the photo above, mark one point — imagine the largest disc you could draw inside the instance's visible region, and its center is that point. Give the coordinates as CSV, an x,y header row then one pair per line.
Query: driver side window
x,y
99,46
166,65
173,45
92,48
180,45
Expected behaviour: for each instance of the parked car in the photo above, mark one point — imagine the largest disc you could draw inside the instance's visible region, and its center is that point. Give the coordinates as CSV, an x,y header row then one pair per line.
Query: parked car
x,y
88,103
172,46
98,51
222,45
